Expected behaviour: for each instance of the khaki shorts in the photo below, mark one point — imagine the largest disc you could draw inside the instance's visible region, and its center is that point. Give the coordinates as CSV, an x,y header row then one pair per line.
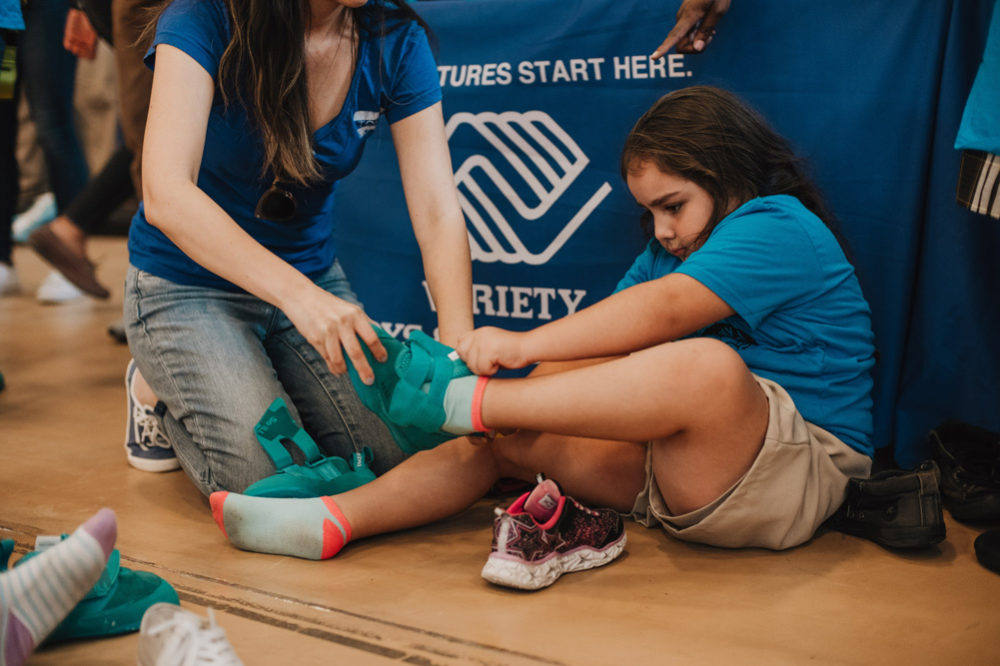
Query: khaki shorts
x,y
797,481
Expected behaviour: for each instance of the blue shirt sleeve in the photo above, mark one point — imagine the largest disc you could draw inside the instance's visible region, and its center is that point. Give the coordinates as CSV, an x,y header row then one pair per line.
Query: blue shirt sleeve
x,y
411,73
653,263
199,28
759,259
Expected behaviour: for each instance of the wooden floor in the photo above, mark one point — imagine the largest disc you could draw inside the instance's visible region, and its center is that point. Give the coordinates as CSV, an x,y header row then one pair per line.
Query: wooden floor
x,y
417,597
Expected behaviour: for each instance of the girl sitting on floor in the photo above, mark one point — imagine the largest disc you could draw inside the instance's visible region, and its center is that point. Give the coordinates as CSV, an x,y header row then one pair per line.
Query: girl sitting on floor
x,y
722,392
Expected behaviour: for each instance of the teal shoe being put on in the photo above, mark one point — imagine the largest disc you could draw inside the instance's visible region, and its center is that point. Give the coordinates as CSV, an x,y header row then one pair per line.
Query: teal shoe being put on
x,y
318,475
409,387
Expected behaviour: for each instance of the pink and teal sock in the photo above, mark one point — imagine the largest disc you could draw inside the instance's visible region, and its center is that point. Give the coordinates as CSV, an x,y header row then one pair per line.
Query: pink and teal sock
x,y
463,405
312,528
37,595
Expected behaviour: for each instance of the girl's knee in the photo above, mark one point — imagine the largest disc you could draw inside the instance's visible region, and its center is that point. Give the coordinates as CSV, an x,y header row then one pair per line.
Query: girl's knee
x,y
711,364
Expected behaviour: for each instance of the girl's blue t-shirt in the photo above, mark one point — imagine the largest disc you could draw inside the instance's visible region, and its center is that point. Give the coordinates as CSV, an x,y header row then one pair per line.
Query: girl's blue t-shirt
x,y
395,77
801,319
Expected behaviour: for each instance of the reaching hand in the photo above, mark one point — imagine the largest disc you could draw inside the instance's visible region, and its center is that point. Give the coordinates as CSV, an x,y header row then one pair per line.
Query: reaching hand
x,y
695,27
79,37
333,326
486,350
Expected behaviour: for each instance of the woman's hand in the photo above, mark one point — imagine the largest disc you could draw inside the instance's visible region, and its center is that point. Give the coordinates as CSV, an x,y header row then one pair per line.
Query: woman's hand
x,y
486,350
333,326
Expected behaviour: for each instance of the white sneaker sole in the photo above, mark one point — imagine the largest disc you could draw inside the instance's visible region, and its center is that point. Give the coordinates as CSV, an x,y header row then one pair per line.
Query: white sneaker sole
x,y
523,576
152,464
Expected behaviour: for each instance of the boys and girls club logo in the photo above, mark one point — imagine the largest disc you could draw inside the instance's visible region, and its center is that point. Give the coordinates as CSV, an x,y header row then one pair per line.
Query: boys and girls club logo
x,y
520,166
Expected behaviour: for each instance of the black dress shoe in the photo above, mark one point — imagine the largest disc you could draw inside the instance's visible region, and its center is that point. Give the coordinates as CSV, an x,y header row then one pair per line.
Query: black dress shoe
x,y
895,508
987,547
969,458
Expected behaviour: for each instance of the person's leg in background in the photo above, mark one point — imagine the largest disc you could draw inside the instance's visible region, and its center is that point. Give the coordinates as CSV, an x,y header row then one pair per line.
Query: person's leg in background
x,y
63,242
49,78
135,80
49,73
9,183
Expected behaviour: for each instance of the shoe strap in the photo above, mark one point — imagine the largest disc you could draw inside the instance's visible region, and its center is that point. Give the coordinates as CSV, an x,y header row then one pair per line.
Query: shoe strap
x,y
276,426
425,363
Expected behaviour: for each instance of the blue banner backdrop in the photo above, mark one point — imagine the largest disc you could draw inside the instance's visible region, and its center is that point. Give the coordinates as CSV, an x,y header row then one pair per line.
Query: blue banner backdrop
x,y
539,94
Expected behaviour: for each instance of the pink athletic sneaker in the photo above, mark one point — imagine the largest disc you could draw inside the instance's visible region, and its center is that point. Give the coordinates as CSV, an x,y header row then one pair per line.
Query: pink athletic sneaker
x,y
545,534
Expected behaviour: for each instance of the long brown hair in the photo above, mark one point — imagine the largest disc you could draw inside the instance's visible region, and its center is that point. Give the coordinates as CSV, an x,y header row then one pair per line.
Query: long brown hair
x,y
263,69
714,139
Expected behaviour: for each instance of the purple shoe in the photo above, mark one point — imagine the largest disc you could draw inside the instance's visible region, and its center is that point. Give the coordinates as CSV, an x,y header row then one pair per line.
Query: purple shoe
x,y
146,447
545,534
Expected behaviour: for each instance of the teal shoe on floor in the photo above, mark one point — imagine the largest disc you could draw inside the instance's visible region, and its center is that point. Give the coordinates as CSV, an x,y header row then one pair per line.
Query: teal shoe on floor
x,y
116,603
319,475
413,417
6,548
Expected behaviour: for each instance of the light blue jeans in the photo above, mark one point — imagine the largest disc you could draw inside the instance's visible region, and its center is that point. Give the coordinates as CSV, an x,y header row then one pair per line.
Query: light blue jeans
x,y
218,359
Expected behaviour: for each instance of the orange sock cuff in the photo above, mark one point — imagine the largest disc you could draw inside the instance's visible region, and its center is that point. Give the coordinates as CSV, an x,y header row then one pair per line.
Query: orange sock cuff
x,y
336,532
477,404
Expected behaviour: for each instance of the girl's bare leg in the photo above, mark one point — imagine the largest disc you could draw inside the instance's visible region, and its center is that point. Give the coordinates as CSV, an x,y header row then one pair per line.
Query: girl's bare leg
x,y
695,399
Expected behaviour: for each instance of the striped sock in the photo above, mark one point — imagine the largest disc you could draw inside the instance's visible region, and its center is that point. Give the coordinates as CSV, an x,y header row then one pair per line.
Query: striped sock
x,y
36,595
312,528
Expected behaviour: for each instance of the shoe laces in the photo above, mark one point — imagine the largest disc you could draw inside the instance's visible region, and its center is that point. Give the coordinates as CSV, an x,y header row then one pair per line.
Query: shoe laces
x,y
148,432
193,641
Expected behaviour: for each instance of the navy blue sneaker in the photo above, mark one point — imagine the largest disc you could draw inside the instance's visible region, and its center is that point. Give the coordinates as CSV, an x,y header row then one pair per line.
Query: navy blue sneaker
x,y
146,447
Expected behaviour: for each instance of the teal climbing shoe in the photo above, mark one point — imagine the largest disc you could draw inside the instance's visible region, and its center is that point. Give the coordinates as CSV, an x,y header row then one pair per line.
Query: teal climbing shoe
x,y
116,603
413,420
319,475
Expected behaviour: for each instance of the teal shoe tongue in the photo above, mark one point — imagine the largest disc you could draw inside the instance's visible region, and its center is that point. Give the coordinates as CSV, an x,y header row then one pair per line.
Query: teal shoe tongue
x,y
543,501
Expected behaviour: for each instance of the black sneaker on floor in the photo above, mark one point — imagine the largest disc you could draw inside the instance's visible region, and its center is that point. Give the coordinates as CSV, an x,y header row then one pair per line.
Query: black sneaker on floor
x,y
895,508
987,547
969,458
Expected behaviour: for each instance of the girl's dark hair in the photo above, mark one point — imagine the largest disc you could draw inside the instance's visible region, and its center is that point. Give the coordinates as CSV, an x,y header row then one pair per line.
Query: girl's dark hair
x,y
263,68
714,139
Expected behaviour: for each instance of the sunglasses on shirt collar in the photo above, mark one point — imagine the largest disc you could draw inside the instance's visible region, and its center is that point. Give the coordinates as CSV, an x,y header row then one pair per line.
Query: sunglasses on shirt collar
x,y
276,204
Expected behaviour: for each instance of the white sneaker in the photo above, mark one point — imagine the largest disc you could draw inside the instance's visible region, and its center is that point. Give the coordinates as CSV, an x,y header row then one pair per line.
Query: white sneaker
x,y
42,211
8,279
57,289
172,636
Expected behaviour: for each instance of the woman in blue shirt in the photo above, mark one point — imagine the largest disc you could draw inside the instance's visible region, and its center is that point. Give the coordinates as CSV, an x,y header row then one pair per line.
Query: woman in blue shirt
x,y
234,296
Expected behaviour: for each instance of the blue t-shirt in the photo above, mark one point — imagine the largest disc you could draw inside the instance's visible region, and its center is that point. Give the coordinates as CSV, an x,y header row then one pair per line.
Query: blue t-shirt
x,y
801,319
395,78
10,15
980,128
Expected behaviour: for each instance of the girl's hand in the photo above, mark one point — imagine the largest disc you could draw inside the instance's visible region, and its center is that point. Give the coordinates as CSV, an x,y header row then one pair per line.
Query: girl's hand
x,y
486,350
333,326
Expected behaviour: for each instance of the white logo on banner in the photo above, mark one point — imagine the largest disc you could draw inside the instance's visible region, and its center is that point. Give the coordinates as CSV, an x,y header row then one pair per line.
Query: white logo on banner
x,y
546,159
